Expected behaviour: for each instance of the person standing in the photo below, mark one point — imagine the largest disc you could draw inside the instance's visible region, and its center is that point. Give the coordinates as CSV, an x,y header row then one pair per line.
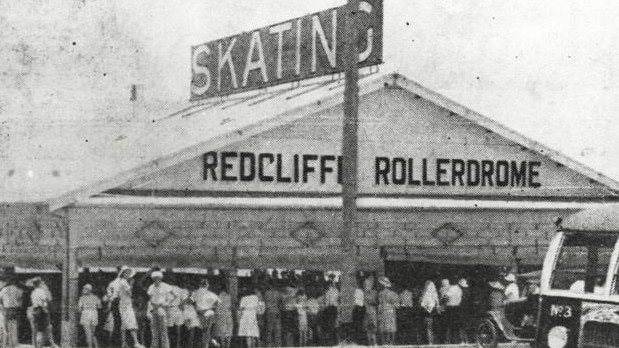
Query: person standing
x,y
289,314
160,294
273,303
88,306
40,312
248,321
466,310
453,299
113,303
206,305
128,321
313,308
429,305
370,321
388,302
358,313
302,317
405,319
224,323
330,313
175,318
11,299
192,323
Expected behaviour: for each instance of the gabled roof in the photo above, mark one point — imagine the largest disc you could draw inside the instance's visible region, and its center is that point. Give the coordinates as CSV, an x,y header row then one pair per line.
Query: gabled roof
x,y
413,87
118,157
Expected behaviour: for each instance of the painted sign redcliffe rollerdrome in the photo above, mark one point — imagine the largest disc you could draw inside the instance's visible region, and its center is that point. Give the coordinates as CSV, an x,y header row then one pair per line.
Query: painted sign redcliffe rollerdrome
x,y
297,49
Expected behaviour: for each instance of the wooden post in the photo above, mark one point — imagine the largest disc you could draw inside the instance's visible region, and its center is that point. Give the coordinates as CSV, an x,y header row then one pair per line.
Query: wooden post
x,y
350,163
70,291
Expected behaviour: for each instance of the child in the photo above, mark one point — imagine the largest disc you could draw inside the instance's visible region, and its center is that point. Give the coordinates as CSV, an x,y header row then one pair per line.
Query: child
x,y
302,317
88,305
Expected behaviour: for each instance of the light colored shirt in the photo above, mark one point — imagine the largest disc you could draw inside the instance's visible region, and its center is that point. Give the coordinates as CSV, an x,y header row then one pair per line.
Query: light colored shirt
x,y
11,296
312,306
512,292
161,294
332,297
454,296
358,297
112,289
290,299
406,298
89,302
176,299
39,298
204,299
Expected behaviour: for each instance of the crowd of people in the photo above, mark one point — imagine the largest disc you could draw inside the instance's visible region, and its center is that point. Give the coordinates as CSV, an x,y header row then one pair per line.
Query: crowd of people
x,y
165,310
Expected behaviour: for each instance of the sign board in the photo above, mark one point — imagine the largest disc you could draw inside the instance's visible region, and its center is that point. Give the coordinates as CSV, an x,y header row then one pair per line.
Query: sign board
x,y
300,48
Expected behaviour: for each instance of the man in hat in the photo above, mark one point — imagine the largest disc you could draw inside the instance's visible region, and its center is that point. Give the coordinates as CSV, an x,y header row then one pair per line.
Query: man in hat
x,y
11,300
160,296
388,303
206,304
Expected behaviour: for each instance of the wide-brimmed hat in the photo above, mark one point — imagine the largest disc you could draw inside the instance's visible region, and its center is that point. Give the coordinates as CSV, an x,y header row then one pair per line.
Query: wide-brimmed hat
x,y
510,278
463,283
384,281
124,269
157,274
496,285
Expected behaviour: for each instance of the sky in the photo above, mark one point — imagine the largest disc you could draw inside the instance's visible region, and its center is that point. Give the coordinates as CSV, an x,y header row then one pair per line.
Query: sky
x,y
547,69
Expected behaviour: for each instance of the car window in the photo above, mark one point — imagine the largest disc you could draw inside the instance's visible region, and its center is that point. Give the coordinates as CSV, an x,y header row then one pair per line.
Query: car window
x,y
583,262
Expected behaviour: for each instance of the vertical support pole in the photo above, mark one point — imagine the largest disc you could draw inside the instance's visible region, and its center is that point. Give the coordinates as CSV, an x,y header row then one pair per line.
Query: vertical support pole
x,y
70,274
350,163
233,290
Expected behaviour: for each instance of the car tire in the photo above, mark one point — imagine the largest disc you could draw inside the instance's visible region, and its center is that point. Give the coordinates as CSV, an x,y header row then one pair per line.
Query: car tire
x,y
487,334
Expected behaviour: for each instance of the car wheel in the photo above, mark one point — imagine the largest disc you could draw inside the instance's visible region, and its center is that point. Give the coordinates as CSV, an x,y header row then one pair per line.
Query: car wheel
x,y
487,334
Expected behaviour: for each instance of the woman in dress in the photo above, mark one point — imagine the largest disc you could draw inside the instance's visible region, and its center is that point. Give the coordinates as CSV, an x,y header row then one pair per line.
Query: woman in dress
x,y
302,317
429,305
223,321
370,321
248,322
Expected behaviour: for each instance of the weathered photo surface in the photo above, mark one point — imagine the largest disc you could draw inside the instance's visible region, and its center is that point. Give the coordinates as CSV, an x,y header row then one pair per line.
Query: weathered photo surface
x,y
286,173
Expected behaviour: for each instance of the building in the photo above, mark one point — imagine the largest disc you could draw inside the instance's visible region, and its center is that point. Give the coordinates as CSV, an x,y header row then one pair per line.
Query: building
x,y
252,182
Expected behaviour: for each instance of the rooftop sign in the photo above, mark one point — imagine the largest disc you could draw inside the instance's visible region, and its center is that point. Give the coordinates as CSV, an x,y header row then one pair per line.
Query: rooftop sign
x,y
300,48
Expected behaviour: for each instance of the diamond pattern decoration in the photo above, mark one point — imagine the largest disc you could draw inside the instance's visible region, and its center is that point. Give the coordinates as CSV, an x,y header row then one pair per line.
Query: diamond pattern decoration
x,y
307,234
447,234
154,233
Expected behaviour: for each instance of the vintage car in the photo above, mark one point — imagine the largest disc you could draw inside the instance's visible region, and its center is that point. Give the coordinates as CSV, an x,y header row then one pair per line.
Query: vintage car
x,y
517,322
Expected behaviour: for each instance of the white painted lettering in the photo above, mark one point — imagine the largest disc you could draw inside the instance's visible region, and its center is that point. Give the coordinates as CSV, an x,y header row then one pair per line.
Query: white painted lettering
x,y
298,48
279,30
200,70
226,59
367,8
317,31
250,64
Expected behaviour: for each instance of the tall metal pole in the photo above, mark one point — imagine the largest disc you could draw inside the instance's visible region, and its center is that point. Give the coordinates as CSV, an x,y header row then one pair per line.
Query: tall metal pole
x,y
350,161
